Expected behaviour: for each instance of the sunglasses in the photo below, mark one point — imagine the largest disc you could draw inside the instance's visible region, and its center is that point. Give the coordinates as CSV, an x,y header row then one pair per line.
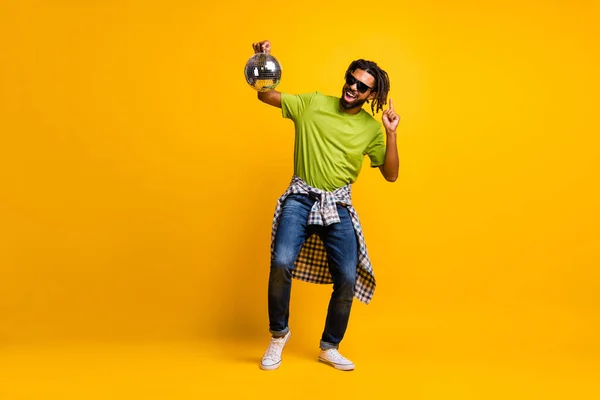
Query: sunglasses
x,y
361,87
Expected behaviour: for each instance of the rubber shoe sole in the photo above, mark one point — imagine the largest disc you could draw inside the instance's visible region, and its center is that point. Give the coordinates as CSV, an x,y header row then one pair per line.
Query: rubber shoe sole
x,y
269,367
341,367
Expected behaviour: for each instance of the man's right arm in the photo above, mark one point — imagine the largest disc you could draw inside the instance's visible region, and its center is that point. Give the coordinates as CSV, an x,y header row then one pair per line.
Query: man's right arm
x,y
272,98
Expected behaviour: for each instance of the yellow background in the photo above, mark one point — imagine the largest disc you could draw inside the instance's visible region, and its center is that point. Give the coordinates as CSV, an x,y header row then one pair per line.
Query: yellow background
x,y
139,177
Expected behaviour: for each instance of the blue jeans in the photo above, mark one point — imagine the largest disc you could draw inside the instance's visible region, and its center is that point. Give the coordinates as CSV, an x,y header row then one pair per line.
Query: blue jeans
x,y
342,252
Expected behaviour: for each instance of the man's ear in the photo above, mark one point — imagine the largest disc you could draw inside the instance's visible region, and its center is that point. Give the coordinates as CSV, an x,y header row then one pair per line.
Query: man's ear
x,y
372,95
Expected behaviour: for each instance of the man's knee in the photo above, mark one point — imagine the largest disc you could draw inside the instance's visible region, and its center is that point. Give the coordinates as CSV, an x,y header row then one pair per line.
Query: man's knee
x,y
283,259
345,281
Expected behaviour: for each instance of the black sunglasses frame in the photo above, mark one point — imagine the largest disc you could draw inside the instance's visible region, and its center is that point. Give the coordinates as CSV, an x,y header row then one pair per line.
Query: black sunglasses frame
x,y
361,87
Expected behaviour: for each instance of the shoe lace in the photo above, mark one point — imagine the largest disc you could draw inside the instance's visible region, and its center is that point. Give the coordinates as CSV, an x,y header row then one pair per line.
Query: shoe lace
x,y
275,347
335,354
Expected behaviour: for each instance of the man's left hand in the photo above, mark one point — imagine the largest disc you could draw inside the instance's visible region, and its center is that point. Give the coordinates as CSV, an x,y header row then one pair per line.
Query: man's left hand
x,y
390,119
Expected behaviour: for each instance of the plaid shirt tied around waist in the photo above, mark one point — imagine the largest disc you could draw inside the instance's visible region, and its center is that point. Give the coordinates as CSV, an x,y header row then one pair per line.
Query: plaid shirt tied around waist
x,y
312,264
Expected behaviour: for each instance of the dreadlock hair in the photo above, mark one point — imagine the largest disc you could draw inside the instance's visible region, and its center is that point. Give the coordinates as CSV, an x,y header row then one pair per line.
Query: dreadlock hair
x,y
382,82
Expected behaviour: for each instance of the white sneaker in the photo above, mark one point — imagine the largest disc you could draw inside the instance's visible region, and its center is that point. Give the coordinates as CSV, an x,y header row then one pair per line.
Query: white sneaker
x,y
272,358
336,360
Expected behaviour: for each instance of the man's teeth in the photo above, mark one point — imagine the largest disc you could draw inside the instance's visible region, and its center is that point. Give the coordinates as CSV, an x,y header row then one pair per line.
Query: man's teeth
x,y
349,94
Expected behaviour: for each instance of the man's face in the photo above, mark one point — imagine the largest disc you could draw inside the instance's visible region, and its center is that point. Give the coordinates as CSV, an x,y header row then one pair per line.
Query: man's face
x,y
357,81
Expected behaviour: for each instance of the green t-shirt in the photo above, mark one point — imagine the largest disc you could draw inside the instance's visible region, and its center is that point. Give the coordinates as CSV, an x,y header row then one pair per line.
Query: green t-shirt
x,y
330,144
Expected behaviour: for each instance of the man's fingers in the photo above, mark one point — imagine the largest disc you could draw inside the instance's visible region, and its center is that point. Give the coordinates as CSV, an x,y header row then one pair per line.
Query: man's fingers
x,y
265,46
391,104
262,47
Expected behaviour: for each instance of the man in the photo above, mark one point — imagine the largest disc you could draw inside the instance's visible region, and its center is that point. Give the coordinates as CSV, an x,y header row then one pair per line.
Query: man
x,y
316,233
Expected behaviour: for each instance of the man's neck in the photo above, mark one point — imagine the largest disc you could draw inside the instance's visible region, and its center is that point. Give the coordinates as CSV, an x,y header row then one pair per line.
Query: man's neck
x,y
353,110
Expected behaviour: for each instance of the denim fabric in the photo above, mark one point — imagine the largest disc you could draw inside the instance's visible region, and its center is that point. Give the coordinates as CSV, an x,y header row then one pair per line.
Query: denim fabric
x,y
342,251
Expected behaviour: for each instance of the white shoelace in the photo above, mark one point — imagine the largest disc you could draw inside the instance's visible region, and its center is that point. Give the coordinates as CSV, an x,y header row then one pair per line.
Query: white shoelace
x,y
335,356
275,348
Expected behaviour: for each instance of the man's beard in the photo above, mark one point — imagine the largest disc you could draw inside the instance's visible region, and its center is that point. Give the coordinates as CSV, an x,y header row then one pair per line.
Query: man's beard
x,y
348,105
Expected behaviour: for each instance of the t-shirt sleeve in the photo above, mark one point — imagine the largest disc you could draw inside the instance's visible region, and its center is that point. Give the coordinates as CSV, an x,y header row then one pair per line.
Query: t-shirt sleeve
x,y
376,149
294,105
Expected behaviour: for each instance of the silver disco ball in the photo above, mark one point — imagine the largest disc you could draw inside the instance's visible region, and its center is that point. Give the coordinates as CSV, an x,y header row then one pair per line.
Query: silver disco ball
x,y
263,72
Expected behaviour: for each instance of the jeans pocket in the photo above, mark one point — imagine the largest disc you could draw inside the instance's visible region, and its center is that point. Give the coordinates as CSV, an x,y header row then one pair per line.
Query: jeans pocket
x,y
345,218
292,202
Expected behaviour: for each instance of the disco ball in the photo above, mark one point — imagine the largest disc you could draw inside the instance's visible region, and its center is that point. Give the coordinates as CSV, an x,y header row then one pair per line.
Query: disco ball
x,y
263,72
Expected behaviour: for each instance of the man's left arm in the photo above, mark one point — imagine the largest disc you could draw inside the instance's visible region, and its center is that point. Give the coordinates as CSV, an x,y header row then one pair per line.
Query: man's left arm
x,y
389,169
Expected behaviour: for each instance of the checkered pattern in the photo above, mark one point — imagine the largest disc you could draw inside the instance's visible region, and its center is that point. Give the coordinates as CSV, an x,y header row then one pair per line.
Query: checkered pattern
x,y
312,264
